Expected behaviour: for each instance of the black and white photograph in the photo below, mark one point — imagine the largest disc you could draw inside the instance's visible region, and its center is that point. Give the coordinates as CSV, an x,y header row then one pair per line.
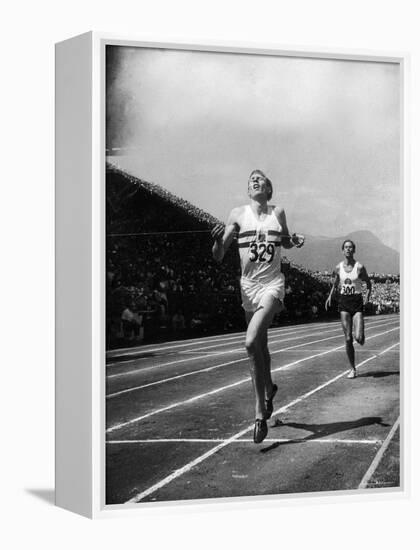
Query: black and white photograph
x,y
253,240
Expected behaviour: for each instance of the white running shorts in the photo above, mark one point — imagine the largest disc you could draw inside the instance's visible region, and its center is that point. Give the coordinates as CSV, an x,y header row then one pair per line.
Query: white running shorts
x,y
253,291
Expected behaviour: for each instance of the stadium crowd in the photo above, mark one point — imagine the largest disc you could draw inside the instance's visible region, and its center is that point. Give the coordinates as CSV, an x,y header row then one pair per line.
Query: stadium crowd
x,y
162,281
385,297
172,282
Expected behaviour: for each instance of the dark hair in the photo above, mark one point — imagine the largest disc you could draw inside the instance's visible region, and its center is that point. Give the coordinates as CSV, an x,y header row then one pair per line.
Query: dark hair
x,y
270,185
348,241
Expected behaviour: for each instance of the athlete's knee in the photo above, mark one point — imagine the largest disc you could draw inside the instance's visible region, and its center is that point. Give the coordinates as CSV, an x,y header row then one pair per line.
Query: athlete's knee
x,y
252,343
349,339
360,339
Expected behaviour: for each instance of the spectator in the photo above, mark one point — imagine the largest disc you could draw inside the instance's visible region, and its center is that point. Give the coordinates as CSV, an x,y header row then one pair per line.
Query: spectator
x,y
178,322
131,323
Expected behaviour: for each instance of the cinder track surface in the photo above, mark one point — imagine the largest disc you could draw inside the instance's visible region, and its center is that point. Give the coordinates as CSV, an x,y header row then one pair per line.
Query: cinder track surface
x,y
180,416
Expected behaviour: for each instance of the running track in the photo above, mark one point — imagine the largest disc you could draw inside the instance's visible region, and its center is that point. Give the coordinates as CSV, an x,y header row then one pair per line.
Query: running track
x,y
180,416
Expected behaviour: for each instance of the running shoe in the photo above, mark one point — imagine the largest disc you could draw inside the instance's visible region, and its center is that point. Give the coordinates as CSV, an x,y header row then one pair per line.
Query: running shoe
x,y
260,430
352,373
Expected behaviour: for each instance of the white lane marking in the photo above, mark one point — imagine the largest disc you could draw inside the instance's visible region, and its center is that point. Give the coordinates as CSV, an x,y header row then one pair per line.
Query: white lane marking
x,y
168,345
187,467
338,328
235,350
245,440
203,395
390,348
208,339
177,377
223,388
238,336
239,339
359,350
277,333
208,369
183,360
161,365
378,457
322,386
208,353
181,343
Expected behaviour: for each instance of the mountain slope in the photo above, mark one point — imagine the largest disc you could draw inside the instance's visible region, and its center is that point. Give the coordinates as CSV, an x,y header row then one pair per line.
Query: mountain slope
x,y
323,253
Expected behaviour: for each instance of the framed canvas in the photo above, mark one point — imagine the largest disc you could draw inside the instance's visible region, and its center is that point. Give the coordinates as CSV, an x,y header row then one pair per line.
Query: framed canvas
x,y
229,274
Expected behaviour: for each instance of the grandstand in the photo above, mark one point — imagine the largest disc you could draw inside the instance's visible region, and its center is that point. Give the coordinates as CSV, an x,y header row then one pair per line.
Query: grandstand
x,y
162,281
126,198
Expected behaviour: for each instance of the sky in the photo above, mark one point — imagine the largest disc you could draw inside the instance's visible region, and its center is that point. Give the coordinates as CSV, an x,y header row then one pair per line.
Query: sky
x,y
326,132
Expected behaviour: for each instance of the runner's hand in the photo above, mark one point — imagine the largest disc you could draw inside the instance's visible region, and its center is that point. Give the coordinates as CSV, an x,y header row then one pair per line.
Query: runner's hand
x,y
217,232
298,240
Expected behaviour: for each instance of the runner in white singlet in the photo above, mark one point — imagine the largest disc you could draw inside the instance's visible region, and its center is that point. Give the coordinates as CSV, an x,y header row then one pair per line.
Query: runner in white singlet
x,y
347,279
259,243
261,230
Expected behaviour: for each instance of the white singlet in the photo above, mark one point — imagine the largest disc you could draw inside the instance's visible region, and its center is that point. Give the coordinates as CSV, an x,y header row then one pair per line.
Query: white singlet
x,y
259,245
350,284
259,250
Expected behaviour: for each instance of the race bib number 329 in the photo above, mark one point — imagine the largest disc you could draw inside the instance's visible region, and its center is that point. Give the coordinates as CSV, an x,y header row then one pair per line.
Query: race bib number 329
x,y
261,252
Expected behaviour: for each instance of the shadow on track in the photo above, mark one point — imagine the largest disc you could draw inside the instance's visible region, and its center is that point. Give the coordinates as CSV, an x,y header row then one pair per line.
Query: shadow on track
x,y
381,374
322,430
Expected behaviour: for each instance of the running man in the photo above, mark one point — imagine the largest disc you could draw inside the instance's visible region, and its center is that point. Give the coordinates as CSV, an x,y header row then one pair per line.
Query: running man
x,y
347,278
261,230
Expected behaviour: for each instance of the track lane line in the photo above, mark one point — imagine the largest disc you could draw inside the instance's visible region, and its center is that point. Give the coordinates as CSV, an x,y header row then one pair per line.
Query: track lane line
x,y
238,339
169,345
277,334
213,367
189,466
207,369
390,348
183,360
177,344
378,457
325,349
229,386
235,350
239,336
247,440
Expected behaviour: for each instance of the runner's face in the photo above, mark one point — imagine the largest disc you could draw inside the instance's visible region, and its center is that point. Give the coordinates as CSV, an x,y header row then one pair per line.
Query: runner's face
x,y
257,185
348,250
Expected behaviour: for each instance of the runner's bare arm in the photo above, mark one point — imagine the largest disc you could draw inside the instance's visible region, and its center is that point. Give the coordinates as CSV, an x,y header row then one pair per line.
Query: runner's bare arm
x,y
223,235
363,275
335,278
288,241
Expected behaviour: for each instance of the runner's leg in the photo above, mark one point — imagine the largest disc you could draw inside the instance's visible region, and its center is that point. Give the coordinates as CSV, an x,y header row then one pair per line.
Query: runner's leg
x,y
267,367
359,328
347,324
256,360
256,346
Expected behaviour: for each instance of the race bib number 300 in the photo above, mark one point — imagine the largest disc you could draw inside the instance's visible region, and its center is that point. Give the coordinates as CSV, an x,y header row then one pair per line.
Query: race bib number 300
x,y
348,290
261,252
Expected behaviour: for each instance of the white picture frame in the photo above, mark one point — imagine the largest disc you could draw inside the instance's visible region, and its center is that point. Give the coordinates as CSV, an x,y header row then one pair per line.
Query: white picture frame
x,y
80,266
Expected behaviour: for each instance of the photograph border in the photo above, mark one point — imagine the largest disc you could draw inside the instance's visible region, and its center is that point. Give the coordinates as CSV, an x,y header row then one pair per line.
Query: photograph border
x,y
96,407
